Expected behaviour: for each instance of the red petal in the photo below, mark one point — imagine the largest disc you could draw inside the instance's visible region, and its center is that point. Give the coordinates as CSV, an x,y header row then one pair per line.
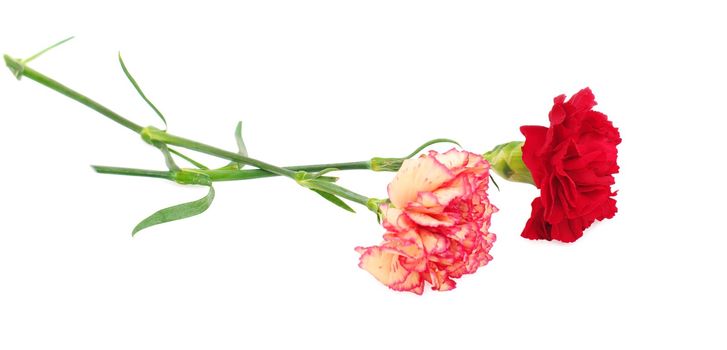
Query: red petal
x,y
557,113
582,101
536,227
535,137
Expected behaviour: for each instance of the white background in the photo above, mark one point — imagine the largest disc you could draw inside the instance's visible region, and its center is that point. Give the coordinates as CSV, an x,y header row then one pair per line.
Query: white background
x,y
271,265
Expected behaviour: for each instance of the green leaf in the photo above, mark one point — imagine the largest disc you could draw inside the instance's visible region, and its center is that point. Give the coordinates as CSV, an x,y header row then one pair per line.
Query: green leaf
x,y
240,143
242,150
46,50
327,178
190,160
17,66
317,175
335,200
141,93
495,182
177,212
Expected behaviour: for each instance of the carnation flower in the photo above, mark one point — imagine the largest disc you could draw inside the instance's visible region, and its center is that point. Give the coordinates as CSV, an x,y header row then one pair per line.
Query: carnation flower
x,y
572,163
437,226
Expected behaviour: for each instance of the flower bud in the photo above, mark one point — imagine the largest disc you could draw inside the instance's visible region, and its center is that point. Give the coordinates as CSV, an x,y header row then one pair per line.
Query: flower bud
x,y
507,161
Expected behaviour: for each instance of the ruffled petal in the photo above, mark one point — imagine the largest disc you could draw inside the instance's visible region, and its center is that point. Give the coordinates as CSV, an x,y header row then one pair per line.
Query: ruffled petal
x,y
384,265
423,174
572,163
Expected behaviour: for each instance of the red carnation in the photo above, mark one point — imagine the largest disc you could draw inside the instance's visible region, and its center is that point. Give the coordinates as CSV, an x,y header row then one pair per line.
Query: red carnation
x,y
572,163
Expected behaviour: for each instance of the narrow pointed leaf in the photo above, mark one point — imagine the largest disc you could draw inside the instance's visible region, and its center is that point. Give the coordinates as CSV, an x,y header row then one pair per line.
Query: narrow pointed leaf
x,y
177,212
242,150
190,160
46,50
240,143
335,200
327,178
323,172
495,182
141,93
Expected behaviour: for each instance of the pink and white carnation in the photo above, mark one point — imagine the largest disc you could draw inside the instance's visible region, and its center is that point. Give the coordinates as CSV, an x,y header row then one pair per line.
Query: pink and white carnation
x,y
437,225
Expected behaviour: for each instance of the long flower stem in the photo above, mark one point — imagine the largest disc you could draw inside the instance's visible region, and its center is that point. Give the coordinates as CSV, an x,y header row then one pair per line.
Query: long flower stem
x,y
231,175
153,135
248,174
215,175
20,69
101,169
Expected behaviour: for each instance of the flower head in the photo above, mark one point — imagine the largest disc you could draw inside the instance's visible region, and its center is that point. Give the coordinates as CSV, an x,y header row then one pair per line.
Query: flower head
x,y
572,163
437,226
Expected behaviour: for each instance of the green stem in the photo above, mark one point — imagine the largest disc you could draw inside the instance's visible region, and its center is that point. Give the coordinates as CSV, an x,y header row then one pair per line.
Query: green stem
x,y
362,165
247,174
152,134
216,175
191,176
19,68
133,172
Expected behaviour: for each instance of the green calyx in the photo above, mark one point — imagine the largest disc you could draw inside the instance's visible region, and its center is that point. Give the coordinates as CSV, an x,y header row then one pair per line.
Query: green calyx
x,y
150,134
507,162
386,164
15,66
191,177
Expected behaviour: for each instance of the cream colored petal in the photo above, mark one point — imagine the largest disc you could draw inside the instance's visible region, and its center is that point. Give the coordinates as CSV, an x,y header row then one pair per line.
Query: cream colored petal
x,y
393,219
453,159
383,265
433,243
430,220
424,174
446,194
412,283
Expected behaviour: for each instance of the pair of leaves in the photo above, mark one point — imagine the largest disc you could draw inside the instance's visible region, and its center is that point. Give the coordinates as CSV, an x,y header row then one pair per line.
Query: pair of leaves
x,y
189,209
168,158
179,211
316,182
334,199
